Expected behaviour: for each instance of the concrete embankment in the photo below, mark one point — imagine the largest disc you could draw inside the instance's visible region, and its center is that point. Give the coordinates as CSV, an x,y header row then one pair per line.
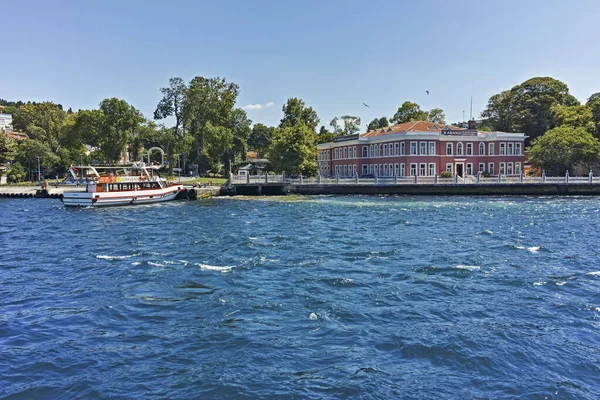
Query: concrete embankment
x,y
512,189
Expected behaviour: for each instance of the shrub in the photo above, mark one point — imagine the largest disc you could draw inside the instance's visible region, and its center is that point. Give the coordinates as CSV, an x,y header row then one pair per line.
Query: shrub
x,y
446,174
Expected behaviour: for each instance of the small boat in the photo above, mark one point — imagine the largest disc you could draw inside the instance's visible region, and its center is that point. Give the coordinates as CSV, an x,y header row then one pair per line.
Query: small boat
x,y
117,186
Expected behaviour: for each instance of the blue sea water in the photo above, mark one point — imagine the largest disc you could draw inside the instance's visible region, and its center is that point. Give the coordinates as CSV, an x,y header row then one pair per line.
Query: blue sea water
x,y
301,297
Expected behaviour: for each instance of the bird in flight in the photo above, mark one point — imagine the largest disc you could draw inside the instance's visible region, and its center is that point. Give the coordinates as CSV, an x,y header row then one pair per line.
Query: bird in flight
x,y
427,91
366,105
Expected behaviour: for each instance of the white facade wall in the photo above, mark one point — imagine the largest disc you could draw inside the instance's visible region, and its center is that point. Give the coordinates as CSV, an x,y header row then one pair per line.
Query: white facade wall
x,y
5,122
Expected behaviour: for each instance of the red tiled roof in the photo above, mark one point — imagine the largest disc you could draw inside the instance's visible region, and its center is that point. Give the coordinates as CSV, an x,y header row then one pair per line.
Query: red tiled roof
x,y
418,126
16,135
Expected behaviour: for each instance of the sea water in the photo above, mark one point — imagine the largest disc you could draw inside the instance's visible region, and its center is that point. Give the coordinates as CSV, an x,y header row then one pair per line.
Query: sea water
x,y
301,297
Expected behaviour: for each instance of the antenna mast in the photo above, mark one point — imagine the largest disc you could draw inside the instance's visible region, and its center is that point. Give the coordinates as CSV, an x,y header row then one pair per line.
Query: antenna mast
x,y
471,108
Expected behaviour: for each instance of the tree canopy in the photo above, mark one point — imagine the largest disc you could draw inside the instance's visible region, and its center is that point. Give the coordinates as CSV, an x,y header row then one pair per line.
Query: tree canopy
x,y
563,148
295,113
294,151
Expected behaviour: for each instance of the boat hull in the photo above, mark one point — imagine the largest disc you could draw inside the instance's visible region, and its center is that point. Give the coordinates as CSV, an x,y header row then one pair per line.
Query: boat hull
x,y
125,198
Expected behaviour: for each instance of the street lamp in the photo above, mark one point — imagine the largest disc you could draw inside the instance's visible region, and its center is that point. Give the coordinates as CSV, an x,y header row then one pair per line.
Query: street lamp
x,y
39,172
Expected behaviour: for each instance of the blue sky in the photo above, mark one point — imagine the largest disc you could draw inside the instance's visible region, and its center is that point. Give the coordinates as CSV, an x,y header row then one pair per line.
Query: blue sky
x,y
336,55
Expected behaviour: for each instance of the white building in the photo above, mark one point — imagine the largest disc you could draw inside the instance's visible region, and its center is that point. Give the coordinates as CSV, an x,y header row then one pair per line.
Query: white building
x,y
5,122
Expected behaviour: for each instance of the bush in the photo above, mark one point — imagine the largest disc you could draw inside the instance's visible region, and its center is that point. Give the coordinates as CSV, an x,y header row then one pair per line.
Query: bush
x,y
446,174
16,173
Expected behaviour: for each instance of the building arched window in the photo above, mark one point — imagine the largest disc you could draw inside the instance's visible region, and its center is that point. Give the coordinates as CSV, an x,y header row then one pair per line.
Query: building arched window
x,y
371,151
481,149
459,149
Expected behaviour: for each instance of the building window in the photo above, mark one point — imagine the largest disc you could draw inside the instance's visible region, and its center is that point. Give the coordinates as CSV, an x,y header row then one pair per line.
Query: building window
x,y
422,169
502,149
365,169
385,150
502,169
469,149
517,149
413,169
413,148
490,149
345,170
391,169
385,170
336,170
491,168
365,151
423,148
518,168
431,169
402,149
345,153
459,149
396,148
380,150
396,169
511,149
370,169
448,149
335,157
370,151
481,149
402,170
469,169
509,168
449,167
481,167
432,148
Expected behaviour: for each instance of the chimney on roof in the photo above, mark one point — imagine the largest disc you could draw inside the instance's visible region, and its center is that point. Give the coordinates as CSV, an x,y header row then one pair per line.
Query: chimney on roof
x,y
472,125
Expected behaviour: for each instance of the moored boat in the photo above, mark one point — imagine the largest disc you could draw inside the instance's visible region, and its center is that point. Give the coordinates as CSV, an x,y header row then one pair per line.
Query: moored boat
x,y
118,186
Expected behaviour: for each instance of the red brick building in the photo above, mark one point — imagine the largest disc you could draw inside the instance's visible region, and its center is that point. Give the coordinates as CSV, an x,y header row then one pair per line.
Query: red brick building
x,y
423,149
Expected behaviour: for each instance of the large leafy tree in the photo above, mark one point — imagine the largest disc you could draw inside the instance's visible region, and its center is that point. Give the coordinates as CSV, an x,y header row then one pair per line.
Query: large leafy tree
x,y
573,116
561,149
409,111
260,138
499,115
594,106
30,150
41,121
171,104
295,113
8,149
351,124
294,151
378,123
324,136
533,101
437,115
207,101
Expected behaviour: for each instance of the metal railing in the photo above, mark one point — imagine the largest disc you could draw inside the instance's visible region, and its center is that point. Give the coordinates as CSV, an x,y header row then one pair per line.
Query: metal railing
x,y
414,180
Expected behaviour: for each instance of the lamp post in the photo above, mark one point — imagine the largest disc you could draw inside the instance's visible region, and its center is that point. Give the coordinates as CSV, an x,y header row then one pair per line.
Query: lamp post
x,y
39,172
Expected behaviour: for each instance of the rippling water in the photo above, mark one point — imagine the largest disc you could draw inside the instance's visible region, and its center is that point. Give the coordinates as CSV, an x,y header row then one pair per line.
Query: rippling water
x,y
304,297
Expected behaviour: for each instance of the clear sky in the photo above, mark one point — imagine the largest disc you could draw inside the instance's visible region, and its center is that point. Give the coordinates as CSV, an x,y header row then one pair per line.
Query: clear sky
x,y
336,55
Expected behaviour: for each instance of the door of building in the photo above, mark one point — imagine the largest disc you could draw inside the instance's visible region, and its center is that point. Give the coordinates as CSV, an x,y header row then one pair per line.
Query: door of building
x,y
459,167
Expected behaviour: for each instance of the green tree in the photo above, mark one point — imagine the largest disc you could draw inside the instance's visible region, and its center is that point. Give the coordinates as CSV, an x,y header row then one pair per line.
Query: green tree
x,y
324,136
119,123
295,112
207,101
8,149
41,121
378,123
561,149
409,111
437,115
172,105
594,106
499,114
16,173
351,124
28,152
260,138
532,102
573,116
294,151
335,124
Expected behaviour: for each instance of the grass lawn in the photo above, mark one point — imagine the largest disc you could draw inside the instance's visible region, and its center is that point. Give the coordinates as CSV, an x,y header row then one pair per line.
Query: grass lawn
x,y
202,181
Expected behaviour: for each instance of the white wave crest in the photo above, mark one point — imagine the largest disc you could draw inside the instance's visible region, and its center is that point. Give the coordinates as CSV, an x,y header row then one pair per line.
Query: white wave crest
x,y
206,267
534,249
103,257
595,273
468,267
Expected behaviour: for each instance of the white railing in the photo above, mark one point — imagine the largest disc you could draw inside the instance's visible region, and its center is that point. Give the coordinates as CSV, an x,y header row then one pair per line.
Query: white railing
x,y
411,180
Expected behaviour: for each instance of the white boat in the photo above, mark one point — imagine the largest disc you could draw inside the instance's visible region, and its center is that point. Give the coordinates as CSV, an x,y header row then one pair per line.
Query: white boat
x,y
118,186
